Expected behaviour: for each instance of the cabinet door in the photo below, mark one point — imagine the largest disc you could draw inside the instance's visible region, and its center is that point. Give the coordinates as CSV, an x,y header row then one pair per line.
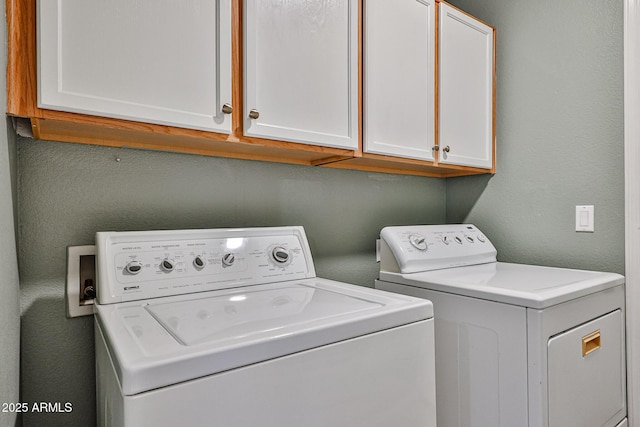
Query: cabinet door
x,y
301,71
466,78
399,78
155,61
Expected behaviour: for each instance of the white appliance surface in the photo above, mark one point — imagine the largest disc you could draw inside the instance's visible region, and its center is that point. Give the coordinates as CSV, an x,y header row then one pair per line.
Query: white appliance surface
x,y
458,258
520,284
516,345
168,340
191,323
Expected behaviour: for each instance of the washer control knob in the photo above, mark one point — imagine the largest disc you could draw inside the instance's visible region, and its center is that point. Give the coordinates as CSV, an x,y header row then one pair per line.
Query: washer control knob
x,y
446,240
167,265
419,242
198,262
280,255
469,239
458,240
133,267
481,238
228,259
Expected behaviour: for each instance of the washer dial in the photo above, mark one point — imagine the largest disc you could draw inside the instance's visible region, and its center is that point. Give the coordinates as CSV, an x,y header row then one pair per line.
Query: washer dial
x,y
133,267
280,255
198,262
167,265
228,259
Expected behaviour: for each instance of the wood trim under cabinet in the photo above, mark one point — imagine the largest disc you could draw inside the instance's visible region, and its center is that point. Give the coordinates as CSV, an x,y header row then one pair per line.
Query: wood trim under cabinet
x,y
399,165
171,139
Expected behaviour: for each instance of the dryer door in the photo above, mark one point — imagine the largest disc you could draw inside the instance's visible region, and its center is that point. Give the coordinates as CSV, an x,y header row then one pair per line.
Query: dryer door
x,y
586,374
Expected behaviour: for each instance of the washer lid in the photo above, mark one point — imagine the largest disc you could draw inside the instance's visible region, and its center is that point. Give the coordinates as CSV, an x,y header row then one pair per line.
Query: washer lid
x,y
252,314
519,284
155,343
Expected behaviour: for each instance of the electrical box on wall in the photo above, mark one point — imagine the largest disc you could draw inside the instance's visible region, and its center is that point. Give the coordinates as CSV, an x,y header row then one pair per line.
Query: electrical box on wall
x,y
81,280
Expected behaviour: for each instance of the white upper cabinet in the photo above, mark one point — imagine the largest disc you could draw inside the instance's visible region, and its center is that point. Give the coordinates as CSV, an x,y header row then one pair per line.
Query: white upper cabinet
x,y
466,78
301,71
399,78
156,61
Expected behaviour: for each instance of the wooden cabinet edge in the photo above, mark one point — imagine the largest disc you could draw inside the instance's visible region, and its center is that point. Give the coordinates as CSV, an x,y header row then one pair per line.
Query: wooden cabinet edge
x,y
56,126
82,129
21,58
401,166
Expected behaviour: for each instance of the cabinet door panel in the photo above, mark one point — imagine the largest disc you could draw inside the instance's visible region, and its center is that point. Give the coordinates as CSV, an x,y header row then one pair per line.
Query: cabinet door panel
x,y
465,89
301,71
399,78
156,61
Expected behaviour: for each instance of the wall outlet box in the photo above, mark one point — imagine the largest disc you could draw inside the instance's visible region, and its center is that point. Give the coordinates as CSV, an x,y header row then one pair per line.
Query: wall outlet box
x,y
81,280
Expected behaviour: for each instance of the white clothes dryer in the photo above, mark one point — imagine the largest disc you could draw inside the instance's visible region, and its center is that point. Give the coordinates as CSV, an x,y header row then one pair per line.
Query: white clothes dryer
x,y
231,328
516,345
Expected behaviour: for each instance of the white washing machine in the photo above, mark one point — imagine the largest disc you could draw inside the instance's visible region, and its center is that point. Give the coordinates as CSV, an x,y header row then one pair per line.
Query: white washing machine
x,y
230,327
516,345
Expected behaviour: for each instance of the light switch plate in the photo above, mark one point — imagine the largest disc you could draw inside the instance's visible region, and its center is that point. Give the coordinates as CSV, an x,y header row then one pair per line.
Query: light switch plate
x,y
585,218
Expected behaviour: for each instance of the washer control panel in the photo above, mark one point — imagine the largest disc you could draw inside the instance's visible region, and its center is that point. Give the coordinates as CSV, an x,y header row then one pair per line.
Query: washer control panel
x,y
410,249
149,264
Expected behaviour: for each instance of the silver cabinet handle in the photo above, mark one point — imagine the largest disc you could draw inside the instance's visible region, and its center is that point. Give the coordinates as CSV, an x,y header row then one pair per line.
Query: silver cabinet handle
x,y
446,149
227,109
436,148
254,114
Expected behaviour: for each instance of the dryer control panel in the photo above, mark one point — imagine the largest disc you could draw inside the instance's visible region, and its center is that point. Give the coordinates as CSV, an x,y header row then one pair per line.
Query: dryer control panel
x,y
415,248
147,264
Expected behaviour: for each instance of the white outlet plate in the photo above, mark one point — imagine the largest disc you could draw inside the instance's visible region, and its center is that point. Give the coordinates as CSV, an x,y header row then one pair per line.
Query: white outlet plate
x,y
585,218
75,306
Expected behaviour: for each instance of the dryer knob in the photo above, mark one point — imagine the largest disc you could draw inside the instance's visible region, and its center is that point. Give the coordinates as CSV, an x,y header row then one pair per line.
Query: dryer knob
x,y
419,242
133,267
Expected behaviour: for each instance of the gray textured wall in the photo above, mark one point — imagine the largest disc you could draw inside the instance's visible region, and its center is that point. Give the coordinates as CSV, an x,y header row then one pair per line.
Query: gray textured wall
x,y
559,134
9,286
68,192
